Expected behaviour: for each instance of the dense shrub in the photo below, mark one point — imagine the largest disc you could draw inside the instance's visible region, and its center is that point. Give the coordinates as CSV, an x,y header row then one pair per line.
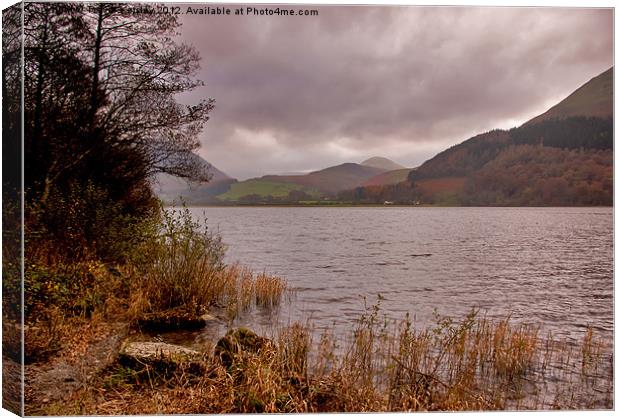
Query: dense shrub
x,y
85,222
180,265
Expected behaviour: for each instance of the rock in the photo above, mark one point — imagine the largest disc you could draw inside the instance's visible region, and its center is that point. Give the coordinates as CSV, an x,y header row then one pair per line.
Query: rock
x,y
239,342
140,354
207,317
174,319
146,350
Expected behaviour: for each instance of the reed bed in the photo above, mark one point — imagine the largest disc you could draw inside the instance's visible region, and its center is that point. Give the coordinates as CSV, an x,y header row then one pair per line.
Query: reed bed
x,y
269,290
181,268
245,290
233,287
475,363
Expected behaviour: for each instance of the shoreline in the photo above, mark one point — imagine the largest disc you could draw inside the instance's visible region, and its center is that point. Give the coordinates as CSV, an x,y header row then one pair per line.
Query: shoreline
x,y
99,382
378,205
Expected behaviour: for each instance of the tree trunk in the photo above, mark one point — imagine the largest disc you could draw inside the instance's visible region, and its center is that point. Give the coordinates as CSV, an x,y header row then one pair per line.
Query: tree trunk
x,y
41,66
96,59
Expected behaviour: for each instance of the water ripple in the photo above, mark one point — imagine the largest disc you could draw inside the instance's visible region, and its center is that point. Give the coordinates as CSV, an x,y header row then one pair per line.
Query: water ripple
x,y
553,265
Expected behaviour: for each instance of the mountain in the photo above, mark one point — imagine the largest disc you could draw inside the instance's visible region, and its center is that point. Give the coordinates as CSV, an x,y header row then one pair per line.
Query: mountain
x,y
167,183
170,188
574,130
309,186
382,163
593,99
562,157
336,178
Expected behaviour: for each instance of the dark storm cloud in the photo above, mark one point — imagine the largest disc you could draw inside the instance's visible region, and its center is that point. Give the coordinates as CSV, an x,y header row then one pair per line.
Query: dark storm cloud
x,y
300,93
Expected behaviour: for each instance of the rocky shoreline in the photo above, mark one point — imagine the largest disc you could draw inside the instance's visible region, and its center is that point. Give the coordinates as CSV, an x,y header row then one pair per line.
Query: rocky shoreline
x,y
137,347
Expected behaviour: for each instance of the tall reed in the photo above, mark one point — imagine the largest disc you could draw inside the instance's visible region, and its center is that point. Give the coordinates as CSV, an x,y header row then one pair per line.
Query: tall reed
x,y
182,269
475,363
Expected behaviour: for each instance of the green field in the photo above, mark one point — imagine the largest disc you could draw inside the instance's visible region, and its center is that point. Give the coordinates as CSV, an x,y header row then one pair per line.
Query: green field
x,y
259,187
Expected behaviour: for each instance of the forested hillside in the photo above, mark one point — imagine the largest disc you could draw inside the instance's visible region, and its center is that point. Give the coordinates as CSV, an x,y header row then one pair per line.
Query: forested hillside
x,y
539,176
555,162
563,158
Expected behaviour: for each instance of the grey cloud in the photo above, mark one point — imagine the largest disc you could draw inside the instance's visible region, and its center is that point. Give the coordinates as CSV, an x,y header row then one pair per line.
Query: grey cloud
x,y
298,93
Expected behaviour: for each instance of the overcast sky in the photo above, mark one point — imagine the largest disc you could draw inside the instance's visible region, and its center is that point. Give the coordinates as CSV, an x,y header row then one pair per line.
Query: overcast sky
x,y
303,93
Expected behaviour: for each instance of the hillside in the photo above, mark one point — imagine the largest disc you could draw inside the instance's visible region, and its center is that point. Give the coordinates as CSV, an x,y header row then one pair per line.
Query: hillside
x,y
382,163
258,189
543,176
301,187
465,157
389,177
562,157
336,178
593,99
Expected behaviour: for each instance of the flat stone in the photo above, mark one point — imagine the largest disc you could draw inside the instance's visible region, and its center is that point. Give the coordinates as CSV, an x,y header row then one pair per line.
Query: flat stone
x,y
208,317
149,352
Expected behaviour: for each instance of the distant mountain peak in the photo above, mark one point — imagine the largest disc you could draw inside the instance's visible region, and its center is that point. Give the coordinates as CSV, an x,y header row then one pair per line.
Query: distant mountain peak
x,y
382,163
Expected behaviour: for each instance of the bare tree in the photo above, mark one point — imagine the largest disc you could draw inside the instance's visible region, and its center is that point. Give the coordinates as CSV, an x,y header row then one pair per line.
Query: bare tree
x,y
101,97
140,68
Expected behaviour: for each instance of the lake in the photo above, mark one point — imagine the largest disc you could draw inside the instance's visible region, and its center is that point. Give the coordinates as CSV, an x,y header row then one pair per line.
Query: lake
x,y
547,266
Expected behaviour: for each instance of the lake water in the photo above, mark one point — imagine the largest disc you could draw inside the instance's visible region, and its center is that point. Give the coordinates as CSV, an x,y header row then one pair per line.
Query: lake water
x,y
547,266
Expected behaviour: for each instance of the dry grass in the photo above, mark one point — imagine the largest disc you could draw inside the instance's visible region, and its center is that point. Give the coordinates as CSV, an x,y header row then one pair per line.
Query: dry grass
x,y
243,290
473,364
269,290
182,268
61,296
174,277
179,267
233,287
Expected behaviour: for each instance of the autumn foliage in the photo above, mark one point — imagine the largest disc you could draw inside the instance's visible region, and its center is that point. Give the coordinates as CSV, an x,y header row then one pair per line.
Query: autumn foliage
x,y
557,162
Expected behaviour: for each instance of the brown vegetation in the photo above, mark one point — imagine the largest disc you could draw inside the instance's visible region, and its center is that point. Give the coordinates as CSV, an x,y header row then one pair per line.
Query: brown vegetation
x,y
441,190
442,185
474,364
172,278
532,175
564,162
72,305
